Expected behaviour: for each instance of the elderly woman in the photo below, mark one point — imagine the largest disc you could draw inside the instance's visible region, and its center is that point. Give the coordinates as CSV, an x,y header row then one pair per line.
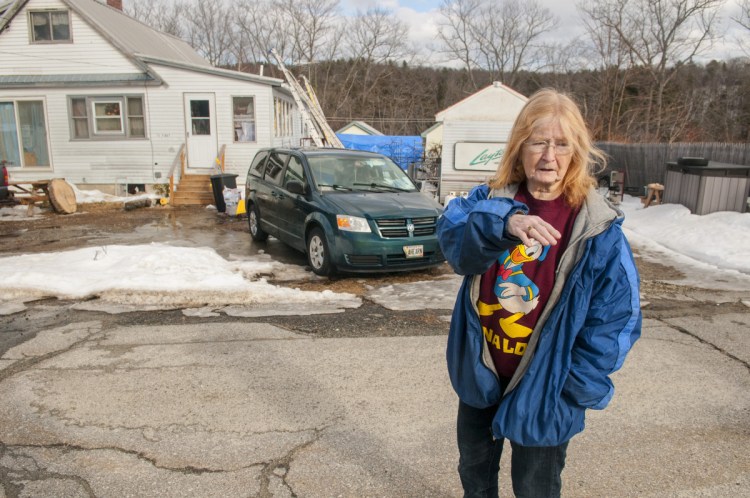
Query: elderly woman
x,y
549,305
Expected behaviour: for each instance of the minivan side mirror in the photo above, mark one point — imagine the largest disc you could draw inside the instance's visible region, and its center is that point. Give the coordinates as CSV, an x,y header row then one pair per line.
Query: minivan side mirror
x,y
295,187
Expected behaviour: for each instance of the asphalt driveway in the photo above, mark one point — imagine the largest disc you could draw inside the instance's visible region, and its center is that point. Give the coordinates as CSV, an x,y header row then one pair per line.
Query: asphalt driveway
x,y
160,404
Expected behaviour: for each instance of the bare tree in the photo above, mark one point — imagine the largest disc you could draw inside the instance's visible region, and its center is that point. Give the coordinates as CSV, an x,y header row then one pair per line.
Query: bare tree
x,y
210,32
260,26
375,38
507,35
500,38
162,15
310,24
659,35
609,56
743,19
456,32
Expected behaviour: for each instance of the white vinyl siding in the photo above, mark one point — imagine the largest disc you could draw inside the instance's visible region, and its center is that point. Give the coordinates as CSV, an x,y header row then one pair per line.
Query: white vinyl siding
x,y
148,161
89,53
158,119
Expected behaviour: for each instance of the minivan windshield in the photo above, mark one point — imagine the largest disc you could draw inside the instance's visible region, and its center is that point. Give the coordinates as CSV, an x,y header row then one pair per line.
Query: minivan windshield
x,y
348,173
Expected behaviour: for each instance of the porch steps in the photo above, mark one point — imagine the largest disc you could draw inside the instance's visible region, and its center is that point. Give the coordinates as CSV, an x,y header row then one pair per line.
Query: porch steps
x,y
193,190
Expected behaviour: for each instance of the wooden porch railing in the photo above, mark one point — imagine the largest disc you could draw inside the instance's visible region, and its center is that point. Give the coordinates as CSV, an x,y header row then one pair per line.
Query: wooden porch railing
x,y
179,159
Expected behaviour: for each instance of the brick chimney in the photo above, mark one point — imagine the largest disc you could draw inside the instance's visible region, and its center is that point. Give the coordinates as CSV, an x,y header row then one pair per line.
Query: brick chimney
x,y
117,4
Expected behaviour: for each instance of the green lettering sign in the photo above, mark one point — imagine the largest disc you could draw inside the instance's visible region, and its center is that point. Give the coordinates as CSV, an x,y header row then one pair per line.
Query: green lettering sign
x,y
485,157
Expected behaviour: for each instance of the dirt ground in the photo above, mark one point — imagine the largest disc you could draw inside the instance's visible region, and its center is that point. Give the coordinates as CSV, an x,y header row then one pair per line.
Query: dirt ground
x,y
107,224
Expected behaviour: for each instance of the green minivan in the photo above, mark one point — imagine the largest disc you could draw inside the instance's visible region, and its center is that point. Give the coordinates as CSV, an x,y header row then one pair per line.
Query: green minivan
x,y
348,210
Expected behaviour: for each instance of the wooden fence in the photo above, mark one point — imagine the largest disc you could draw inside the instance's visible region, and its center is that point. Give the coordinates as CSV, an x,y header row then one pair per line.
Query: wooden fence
x,y
647,163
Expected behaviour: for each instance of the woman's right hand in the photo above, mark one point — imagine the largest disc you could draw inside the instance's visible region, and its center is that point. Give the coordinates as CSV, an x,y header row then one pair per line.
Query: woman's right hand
x,y
530,228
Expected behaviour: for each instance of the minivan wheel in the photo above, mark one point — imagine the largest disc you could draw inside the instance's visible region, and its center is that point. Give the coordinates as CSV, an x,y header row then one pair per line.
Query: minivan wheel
x,y
317,253
253,219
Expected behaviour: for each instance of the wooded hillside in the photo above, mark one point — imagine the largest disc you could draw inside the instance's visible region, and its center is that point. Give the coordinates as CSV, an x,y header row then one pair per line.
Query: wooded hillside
x,y
703,103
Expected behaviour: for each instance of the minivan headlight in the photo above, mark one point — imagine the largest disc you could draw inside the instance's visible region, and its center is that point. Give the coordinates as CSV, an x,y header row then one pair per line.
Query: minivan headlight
x,y
352,223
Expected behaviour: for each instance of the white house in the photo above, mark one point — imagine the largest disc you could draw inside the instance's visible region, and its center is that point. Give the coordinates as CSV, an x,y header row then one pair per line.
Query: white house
x,y
93,96
475,131
358,128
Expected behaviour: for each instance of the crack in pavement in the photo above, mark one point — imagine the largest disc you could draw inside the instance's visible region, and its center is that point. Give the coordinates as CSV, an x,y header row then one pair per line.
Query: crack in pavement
x,y
708,343
29,362
284,462
11,479
189,469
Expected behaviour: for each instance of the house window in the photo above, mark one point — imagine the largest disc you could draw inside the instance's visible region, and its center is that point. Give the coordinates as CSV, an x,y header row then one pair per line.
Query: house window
x,y
243,113
283,123
107,117
50,26
200,117
23,133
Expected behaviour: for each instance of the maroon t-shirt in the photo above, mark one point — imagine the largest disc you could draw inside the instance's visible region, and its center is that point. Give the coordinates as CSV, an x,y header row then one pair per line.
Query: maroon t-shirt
x,y
514,291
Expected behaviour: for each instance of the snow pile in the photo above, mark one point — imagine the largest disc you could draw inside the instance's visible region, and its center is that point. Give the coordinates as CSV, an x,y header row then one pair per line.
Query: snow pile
x,y
153,275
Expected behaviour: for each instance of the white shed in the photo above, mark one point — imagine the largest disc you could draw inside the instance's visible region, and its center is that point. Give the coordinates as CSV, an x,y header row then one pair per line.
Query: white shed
x,y
475,131
93,96
433,139
358,128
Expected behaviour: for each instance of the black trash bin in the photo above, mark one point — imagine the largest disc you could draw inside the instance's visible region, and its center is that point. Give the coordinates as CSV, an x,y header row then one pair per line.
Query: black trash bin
x,y
218,183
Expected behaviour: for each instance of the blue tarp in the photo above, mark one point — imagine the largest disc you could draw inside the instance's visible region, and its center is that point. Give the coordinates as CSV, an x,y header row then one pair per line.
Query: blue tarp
x,y
404,150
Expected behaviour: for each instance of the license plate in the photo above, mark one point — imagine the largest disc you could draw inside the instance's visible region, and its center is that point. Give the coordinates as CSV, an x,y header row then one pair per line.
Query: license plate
x,y
414,251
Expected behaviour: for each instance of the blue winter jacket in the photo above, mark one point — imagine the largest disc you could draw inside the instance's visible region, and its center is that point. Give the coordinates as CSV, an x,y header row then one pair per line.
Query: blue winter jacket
x,y
590,322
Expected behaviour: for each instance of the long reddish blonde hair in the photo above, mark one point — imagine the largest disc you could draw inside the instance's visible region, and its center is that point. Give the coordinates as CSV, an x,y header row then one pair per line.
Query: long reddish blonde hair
x,y
549,104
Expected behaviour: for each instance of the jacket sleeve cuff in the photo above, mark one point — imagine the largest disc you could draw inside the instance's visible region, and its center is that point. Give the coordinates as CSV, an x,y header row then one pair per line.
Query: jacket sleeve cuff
x,y
605,400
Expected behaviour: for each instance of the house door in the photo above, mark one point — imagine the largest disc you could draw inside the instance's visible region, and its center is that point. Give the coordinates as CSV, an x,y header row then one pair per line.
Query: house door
x,y
200,129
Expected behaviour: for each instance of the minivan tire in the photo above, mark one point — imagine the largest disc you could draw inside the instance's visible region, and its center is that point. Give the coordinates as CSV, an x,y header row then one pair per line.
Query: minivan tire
x,y
317,253
253,221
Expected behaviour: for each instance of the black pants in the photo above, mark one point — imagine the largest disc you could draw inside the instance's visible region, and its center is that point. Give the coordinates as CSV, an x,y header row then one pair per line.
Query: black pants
x,y
535,471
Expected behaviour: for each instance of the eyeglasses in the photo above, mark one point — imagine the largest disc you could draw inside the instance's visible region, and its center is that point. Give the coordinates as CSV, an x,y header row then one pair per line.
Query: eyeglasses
x,y
540,147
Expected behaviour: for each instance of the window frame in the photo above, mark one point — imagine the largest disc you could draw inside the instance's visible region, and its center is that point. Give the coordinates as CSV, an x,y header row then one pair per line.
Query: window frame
x,y
237,119
21,137
289,171
96,118
127,118
283,117
258,165
276,167
49,13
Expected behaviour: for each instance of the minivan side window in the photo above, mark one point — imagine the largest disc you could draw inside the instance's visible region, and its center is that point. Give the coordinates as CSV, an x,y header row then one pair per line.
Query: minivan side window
x,y
294,171
275,166
259,164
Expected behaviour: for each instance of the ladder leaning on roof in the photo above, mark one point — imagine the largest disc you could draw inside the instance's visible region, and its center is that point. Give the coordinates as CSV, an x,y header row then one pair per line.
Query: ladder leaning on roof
x,y
317,112
310,110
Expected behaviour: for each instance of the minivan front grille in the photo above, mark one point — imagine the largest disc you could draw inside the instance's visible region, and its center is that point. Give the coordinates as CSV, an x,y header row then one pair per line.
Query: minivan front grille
x,y
393,228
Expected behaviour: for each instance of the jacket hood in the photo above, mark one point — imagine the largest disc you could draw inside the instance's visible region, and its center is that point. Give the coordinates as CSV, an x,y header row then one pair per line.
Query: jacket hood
x,y
383,204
